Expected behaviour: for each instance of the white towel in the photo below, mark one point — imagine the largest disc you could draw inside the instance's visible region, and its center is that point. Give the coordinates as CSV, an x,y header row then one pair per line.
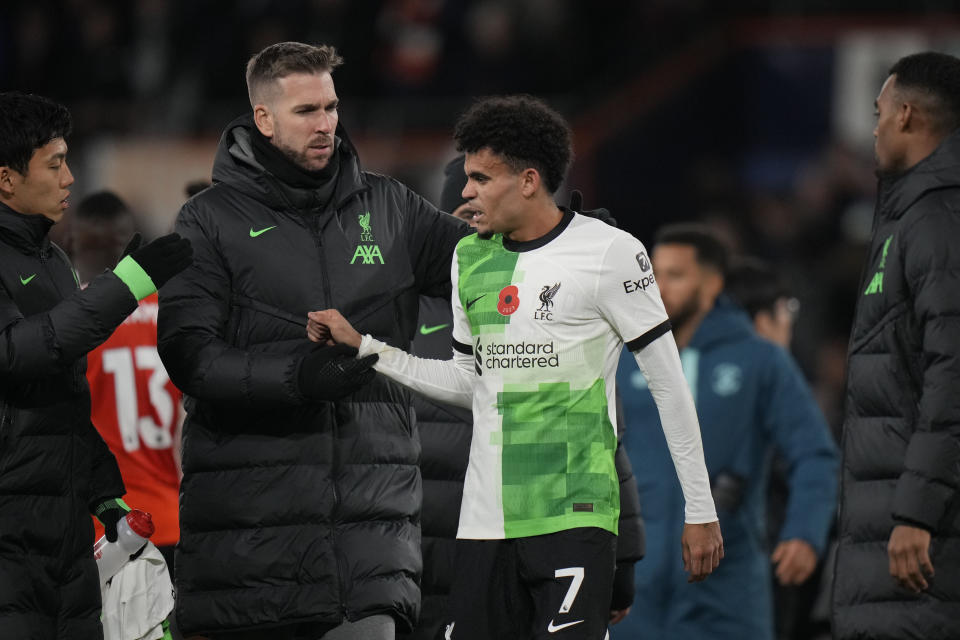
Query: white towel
x,y
138,599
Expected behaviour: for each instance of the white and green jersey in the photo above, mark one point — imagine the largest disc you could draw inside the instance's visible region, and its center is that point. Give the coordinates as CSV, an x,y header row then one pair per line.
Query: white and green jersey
x,y
546,322
538,331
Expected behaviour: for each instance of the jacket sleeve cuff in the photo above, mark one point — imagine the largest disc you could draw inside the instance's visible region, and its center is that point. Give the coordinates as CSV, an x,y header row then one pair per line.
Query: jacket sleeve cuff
x,y
929,480
920,501
623,587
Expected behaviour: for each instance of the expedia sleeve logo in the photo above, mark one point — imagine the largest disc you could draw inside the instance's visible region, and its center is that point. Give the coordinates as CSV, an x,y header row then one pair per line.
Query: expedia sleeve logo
x,y
630,286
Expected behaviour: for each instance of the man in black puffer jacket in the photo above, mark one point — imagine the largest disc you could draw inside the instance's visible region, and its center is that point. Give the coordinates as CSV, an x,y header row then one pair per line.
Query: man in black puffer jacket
x,y
898,565
300,501
55,470
445,434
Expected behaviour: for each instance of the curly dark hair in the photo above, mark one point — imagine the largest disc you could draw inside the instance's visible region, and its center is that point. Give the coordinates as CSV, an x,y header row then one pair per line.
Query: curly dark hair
x,y
934,78
523,131
28,122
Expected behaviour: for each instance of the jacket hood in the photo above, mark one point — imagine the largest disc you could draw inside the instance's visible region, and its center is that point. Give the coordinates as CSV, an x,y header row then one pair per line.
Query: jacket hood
x,y
236,165
725,323
939,170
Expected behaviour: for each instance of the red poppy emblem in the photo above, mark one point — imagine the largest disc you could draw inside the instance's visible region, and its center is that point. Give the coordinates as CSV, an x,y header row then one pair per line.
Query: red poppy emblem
x,y
509,300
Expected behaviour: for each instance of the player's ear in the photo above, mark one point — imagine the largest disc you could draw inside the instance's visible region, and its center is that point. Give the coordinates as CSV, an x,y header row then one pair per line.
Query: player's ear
x,y
263,118
529,182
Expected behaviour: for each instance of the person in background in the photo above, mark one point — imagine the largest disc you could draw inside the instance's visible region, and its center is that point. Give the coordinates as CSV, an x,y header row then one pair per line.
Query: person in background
x,y
897,573
757,287
55,469
445,433
751,399
134,406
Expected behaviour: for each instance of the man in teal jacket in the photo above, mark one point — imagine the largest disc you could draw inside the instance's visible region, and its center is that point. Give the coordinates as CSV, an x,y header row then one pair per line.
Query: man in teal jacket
x,y
751,398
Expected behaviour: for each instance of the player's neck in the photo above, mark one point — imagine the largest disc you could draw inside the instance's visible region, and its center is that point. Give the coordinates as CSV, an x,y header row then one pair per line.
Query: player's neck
x,y
539,220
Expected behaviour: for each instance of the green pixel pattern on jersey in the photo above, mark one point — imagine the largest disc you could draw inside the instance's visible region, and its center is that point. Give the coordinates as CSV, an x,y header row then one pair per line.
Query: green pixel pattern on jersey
x,y
558,451
485,268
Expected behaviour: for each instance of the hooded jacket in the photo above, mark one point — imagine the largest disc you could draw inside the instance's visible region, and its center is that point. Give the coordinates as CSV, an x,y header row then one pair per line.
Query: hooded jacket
x,y
53,464
901,431
750,397
294,511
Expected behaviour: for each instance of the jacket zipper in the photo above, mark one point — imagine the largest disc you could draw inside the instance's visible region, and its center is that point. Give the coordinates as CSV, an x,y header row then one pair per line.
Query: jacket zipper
x,y
334,467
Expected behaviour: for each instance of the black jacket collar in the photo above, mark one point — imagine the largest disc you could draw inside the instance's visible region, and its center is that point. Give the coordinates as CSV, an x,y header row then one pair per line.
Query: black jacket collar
x,y
237,166
26,232
939,170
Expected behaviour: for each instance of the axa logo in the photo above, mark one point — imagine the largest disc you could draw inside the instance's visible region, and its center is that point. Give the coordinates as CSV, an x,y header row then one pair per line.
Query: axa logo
x,y
546,302
368,253
876,283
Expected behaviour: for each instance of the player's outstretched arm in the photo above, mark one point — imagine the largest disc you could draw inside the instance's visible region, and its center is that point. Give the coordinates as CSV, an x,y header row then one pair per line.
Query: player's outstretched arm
x,y
448,381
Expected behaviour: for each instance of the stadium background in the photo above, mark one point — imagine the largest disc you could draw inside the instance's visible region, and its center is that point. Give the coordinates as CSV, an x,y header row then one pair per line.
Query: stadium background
x,y
754,116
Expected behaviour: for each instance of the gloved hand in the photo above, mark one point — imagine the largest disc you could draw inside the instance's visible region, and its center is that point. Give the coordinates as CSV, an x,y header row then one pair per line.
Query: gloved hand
x,y
164,257
330,373
603,215
109,513
623,590
160,260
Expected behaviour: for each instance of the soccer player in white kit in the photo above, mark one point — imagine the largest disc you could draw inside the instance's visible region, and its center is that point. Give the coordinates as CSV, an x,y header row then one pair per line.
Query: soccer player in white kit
x,y
543,301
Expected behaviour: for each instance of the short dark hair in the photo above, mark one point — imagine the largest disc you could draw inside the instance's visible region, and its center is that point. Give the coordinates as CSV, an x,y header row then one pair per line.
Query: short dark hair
x,y
755,285
28,122
935,78
284,58
710,250
523,131
102,206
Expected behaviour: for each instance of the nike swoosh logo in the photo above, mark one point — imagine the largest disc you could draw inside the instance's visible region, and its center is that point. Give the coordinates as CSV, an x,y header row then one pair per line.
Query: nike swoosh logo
x,y
26,281
474,301
552,628
254,234
425,330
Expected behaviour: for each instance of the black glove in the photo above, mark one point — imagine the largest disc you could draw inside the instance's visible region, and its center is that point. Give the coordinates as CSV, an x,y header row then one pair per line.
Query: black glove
x,y
622,587
330,373
163,258
109,513
603,215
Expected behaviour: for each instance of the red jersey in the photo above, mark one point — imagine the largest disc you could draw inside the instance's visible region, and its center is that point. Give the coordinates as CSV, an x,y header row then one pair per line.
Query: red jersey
x,y
136,409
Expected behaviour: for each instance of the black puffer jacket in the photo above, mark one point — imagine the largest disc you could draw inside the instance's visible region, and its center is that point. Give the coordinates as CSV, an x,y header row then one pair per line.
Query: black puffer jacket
x,y
294,512
53,463
901,433
445,434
